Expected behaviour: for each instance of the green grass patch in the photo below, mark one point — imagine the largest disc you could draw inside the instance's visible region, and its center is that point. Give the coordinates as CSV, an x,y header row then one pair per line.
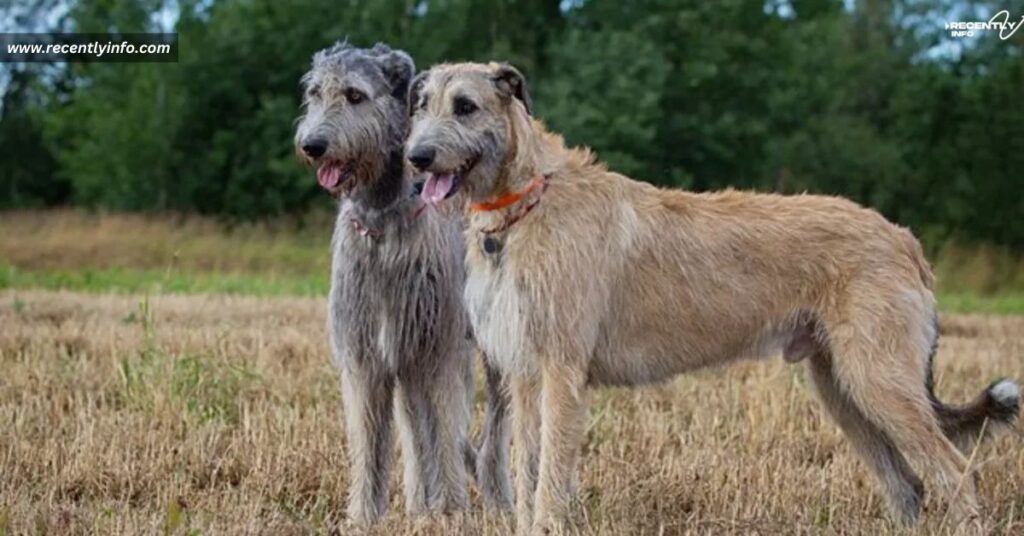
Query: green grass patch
x,y
143,281
140,281
207,389
1008,303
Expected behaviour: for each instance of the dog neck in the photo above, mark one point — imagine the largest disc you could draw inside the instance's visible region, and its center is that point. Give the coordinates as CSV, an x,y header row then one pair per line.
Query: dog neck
x,y
382,192
518,204
526,154
536,158
534,151
389,199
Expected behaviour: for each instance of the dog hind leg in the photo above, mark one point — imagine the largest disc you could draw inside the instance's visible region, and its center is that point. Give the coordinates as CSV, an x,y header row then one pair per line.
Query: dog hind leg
x,y
451,403
492,463
881,366
901,488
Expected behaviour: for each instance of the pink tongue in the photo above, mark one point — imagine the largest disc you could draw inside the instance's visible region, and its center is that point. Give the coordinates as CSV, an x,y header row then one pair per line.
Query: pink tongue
x,y
329,175
437,187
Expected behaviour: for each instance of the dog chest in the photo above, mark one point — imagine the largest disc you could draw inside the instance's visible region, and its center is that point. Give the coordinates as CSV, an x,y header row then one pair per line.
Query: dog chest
x,y
396,307
497,312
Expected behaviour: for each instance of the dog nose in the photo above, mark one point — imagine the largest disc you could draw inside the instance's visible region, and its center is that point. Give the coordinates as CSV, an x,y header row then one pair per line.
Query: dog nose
x,y
315,148
422,156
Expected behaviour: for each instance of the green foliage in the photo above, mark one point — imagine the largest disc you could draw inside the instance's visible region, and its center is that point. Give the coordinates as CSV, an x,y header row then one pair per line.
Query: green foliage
x,y
112,140
870,100
628,71
28,169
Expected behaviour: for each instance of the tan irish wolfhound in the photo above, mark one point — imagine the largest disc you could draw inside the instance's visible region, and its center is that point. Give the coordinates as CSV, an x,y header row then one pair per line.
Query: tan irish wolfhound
x,y
579,276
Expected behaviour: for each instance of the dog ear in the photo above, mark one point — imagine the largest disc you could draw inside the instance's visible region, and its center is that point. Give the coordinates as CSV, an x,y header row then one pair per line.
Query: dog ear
x,y
397,67
415,87
511,82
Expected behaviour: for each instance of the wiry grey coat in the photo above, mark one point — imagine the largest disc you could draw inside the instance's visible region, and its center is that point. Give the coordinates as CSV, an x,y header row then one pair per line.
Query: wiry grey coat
x,y
398,329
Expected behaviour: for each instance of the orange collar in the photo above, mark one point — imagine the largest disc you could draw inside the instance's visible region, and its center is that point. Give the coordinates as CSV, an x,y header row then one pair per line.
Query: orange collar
x,y
504,200
538,183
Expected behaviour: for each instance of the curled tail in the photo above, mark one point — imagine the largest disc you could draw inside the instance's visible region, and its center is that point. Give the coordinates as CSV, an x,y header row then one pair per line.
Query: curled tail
x,y
996,406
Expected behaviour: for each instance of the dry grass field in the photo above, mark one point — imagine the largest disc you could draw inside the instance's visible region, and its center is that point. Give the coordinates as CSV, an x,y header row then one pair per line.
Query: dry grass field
x,y
158,376
221,415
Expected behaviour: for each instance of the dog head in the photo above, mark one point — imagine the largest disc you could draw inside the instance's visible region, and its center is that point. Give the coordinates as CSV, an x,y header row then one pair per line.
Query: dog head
x,y
355,113
467,120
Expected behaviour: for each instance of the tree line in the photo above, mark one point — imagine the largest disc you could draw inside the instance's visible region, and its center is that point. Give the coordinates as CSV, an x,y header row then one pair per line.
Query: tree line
x,y
873,100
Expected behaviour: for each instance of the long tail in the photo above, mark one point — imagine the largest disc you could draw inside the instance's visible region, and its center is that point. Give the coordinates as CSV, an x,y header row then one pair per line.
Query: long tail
x,y
997,406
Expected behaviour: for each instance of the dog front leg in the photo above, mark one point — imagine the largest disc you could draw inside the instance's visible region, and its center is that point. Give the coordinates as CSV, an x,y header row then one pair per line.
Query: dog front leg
x,y
417,432
563,423
367,399
526,446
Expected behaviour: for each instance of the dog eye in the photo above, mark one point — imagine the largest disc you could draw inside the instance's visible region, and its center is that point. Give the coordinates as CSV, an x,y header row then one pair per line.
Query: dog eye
x,y
463,106
354,96
313,92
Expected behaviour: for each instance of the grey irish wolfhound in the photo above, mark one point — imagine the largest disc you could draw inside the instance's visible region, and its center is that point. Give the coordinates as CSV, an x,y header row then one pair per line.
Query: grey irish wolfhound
x,y
398,329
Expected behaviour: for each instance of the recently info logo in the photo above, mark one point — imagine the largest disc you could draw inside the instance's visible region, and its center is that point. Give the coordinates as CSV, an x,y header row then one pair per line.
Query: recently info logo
x,y
1001,22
